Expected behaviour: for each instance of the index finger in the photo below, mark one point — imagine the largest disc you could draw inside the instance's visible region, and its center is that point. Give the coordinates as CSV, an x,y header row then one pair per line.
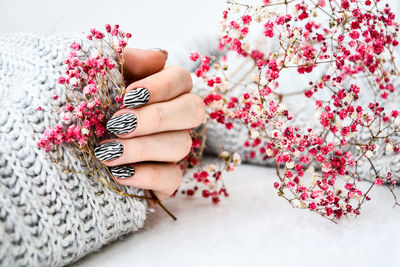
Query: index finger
x,y
159,87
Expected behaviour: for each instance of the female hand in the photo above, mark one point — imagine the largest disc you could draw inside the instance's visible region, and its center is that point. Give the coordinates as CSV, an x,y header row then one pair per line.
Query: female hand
x,y
152,129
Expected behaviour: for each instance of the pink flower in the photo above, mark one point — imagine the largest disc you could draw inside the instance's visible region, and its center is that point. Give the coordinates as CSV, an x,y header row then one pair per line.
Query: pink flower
x,y
304,196
61,80
312,206
194,56
75,46
122,43
345,4
246,19
119,98
354,34
269,29
108,28
90,89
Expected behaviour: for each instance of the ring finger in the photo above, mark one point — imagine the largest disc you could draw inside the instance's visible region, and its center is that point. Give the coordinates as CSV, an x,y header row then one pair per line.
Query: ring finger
x,y
166,147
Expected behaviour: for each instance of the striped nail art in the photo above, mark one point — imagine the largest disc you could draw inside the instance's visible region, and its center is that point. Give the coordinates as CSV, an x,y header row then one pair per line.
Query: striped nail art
x,y
122,124
136,98
122,171
109,151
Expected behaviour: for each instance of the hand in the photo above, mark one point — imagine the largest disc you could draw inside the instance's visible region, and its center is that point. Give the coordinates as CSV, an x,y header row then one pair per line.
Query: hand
x,y
152,129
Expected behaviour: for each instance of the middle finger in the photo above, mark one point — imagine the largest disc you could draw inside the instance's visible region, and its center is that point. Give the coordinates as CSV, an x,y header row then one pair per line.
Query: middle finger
x,y
184,112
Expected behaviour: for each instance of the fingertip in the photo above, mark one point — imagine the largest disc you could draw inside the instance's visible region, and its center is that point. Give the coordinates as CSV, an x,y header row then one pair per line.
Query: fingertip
x,y
140,63
122,173
108,151
165,52
123,123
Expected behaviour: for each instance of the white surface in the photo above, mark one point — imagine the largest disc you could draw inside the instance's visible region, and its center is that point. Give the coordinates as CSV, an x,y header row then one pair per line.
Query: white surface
x,y
255,227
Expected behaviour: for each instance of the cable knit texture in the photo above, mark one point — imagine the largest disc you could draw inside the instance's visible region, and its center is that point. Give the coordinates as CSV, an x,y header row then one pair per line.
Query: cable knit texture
x,y
47,218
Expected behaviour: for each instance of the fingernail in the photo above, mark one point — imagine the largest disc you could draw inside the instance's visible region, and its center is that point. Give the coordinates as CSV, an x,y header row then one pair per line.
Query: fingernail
x,y
136,98
122,171
165,52
122,124
109,151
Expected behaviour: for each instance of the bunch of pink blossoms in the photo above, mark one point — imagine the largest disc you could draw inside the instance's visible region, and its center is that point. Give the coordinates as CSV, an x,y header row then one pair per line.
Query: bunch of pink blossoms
x,y
87,91
207,177
93,91
345,51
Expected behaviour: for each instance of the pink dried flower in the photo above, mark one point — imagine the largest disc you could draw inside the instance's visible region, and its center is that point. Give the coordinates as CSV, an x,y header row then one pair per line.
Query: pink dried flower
x,y
194,56
83,119
269,29
361,43
75,46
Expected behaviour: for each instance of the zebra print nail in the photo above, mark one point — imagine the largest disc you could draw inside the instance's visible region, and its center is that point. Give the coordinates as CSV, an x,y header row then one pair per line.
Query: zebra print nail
x,y
136,98
109,151
122,124
122,171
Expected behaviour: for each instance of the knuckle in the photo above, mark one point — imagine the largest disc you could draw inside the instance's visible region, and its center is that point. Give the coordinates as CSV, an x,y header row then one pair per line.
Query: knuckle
x,y
188,79
176,180
188,143
158,116
153,175
178,177
168,87
199,109
184,76
185,145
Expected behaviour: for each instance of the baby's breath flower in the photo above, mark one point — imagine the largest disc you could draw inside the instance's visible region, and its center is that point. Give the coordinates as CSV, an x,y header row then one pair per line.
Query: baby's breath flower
x,y
210,168
236,158
85,131
254,134
397,121
369,154
389,147
73,81
290,165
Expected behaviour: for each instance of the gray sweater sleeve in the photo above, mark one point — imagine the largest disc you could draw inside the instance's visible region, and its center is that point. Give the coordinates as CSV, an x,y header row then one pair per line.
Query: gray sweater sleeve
x,y
47,217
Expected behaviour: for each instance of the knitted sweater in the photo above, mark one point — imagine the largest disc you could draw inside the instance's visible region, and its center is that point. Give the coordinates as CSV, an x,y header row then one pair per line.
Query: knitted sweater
x,y
47,218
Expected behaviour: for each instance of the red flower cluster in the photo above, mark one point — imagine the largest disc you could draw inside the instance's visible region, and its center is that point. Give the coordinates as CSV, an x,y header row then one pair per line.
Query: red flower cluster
x,y
86,73
346,41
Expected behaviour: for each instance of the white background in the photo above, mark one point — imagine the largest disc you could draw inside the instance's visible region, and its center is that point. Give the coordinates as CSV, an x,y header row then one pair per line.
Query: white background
x,y
254,226
153,23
